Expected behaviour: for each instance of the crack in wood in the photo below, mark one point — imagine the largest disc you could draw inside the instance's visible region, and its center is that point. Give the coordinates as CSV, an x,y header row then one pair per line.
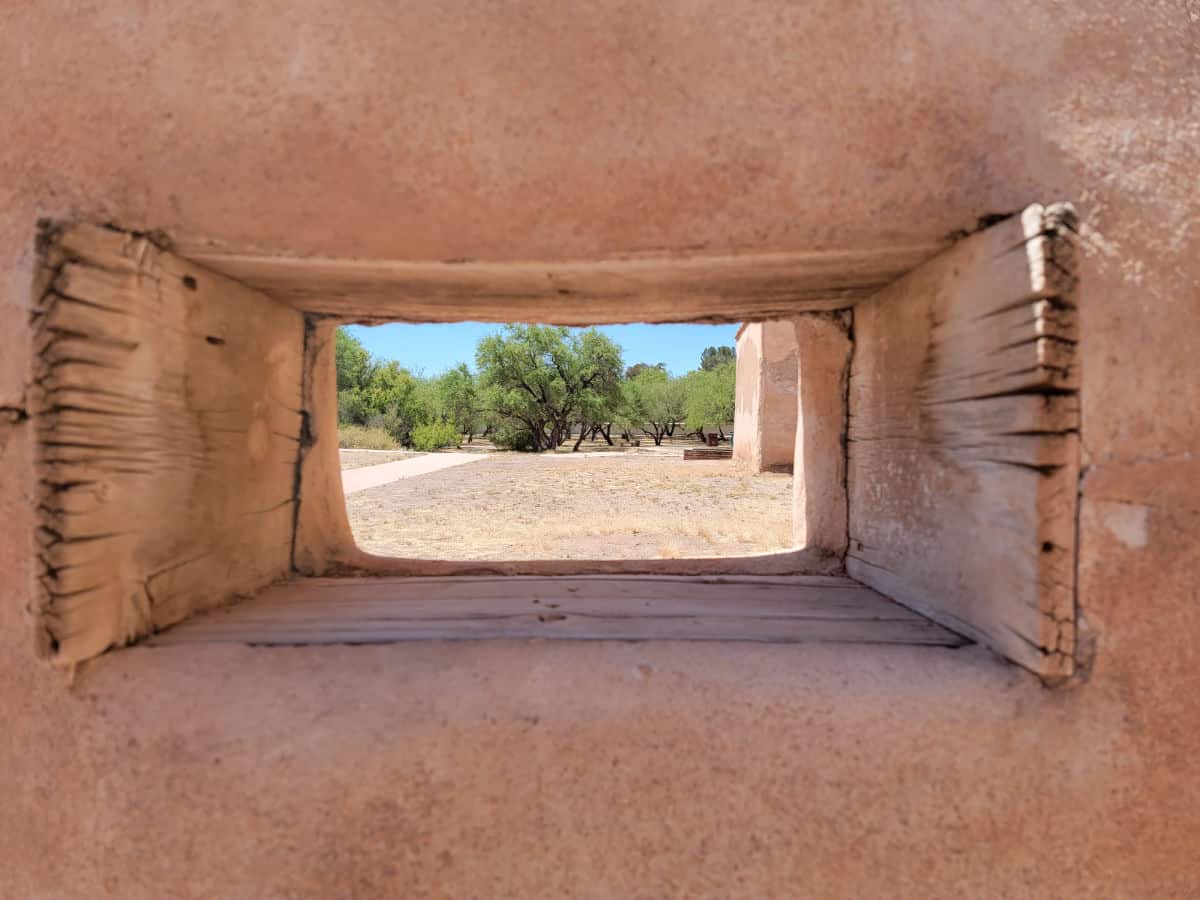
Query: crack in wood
x,y
964,443
139,485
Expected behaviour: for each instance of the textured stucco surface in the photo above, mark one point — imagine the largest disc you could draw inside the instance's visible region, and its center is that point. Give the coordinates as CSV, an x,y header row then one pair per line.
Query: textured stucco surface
x,y
779,405
540,130
764,428
820,494
747,419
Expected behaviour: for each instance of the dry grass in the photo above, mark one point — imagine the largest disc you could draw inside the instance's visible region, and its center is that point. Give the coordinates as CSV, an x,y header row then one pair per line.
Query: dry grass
x,y
360,438
619,506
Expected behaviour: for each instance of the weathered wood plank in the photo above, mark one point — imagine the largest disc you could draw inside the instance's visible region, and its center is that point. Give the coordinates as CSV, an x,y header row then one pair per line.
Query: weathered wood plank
x,y
730,288
963,453
167,411
383,610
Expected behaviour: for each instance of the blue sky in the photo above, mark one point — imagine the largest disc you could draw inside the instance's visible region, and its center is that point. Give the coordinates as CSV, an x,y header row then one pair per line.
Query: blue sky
x,y
432,349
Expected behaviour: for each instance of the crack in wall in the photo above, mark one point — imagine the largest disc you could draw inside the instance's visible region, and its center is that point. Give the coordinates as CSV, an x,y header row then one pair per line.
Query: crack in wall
x,y
304,440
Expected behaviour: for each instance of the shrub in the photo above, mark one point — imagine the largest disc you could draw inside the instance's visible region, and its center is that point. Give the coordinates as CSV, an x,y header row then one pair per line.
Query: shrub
x,y
356,437
511,435
394,424
435,436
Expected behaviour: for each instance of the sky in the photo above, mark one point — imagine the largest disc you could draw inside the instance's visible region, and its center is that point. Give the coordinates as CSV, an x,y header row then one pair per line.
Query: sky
x,y
432,349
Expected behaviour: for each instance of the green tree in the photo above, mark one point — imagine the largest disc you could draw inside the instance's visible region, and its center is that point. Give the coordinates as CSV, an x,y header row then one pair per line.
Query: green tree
x,y
352,361
714,357
353,407
541,380
458,400
710,397
654,402
638,368
394,398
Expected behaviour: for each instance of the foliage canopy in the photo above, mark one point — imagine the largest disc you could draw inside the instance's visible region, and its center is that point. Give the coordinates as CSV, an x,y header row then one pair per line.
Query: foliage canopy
x,y
536,386
715,357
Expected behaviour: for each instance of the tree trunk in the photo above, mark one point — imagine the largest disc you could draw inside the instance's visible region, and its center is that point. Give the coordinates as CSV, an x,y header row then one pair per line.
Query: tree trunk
x,y
607,432
656,432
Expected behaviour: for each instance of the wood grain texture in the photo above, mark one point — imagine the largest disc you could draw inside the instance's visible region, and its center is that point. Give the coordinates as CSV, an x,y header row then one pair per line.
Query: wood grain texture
x,y
167,407
642,289
963,439
348,560
383,610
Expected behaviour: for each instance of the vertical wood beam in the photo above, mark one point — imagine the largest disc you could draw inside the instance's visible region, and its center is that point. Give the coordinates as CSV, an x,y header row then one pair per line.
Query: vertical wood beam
x,y
964,439
166,401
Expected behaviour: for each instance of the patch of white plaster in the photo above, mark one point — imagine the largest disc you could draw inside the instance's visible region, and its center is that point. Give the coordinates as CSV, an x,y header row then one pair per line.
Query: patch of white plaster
x,y
1125,521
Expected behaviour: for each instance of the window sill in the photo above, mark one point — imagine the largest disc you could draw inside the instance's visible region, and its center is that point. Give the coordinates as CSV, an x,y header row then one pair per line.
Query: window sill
x,y
795,609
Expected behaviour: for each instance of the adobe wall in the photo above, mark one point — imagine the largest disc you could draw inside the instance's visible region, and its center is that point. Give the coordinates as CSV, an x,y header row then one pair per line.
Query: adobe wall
x,y
543,130
747,434
820,487
764,428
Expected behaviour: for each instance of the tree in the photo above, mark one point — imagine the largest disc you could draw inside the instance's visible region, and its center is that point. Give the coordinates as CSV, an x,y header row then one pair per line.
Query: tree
x,y
458,400
394,397
652,398
352,361
710,397
638,368
541,380
714,357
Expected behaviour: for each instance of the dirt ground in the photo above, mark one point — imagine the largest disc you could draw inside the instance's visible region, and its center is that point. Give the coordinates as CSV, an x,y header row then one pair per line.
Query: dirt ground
x,y
635,505
356,459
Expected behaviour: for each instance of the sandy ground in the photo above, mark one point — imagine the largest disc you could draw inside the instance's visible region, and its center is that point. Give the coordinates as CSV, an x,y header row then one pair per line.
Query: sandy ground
x,y
356,459
574,506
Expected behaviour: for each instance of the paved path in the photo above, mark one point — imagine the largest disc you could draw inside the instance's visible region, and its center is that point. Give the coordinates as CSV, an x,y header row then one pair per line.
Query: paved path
x,y
372,476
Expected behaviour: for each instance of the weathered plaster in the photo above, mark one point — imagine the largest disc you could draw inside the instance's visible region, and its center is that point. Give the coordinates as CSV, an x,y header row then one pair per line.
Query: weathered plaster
x,y
539,130
764,428
819,489
747,441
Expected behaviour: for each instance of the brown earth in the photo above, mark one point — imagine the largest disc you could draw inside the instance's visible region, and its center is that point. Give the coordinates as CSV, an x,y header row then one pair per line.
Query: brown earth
x,y
633,505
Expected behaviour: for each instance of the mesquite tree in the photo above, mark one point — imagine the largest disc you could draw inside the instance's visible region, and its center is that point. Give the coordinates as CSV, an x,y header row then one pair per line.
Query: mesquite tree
x,y
710,397
540,380
654,402
715,357
458,400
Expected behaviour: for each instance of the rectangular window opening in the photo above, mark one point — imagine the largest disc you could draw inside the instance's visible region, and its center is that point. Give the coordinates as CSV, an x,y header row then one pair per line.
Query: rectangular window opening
x,y
471,441
189,412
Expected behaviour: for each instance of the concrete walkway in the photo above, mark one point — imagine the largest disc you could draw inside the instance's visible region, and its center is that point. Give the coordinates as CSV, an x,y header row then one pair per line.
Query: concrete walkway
x,y
372,476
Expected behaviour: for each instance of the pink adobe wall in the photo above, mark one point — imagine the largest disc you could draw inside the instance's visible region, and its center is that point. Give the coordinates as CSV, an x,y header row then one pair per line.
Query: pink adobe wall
x,y
538,130
779,401
764,430
747,422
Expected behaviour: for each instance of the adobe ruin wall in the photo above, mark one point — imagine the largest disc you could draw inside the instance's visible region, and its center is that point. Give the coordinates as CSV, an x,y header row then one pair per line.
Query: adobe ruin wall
x,y
548,131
